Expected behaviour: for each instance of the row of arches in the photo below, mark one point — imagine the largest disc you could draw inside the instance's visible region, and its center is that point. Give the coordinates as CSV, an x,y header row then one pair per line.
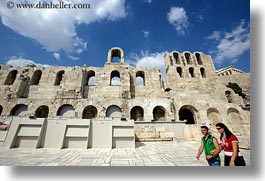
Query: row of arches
x,y
137,113
89,78
187,60
90,112
191,71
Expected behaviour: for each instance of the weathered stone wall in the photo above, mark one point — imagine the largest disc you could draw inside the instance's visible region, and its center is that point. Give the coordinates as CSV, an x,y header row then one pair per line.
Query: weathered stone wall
x,y
191,93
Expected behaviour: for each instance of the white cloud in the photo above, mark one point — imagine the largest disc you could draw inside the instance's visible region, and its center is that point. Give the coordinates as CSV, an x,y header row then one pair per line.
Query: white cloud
x,y
146,34
147,59
55,29
216,35
57,56
73,57
18,61
232,44
178,18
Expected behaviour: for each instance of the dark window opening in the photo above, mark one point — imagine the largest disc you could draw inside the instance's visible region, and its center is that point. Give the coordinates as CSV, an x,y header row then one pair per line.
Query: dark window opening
x,y
176,58
35,80
191,71
159,114
115,56
198,57
202,72
11,77
137,113
168,90
188,58
42,112
186,114
179,70
59,77
90,112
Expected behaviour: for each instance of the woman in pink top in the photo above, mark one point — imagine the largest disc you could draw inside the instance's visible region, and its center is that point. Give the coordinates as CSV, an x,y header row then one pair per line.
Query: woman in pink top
x,y
229,143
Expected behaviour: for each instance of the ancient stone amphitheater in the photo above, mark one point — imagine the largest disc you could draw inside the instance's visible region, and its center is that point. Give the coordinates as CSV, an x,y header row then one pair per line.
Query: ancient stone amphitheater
x,y
116,105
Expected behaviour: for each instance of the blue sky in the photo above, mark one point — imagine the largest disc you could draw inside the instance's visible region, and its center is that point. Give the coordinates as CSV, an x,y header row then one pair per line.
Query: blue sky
x,y
144,29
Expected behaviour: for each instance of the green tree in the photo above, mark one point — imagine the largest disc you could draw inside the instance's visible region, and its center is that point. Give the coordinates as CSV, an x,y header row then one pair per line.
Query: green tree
x,y
237,89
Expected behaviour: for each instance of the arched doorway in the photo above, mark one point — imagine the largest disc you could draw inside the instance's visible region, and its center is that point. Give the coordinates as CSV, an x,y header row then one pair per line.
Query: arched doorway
x,y
89,112
66,111
137,113
188,113
19,110
159,113
42,112
113,112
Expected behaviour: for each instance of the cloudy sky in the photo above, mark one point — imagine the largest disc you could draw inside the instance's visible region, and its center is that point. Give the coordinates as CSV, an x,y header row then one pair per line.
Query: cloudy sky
x,y
144,29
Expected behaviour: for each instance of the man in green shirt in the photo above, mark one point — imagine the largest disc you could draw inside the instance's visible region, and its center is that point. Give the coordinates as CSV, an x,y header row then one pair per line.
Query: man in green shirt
x,y
210,146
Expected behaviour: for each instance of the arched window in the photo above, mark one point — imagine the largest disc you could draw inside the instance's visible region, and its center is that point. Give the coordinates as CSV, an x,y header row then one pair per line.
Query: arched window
x,y
159,113
115,56
42,112
113,112
36,77
66,111
59,77
179,71
202,72
1,110
191,71
19,110
89,112
176,58
140,79
115,78
137,113
198,57
90,78
11,77
188,58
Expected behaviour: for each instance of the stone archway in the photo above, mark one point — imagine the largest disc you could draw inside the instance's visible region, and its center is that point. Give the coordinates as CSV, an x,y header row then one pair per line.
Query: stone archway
x,y
113,112
90,112
19,110
188,113
137,113
159,113
66,111
42,112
